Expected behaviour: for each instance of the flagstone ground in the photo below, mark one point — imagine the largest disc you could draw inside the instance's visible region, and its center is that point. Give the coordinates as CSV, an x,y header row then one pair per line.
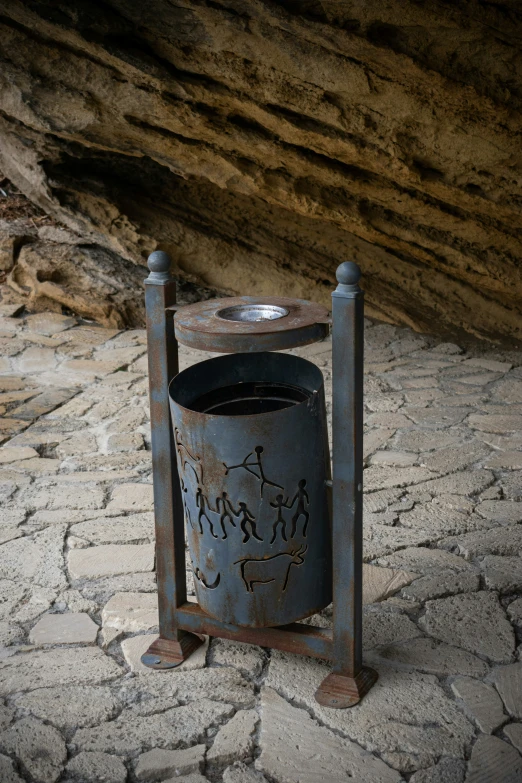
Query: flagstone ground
x,y
442,580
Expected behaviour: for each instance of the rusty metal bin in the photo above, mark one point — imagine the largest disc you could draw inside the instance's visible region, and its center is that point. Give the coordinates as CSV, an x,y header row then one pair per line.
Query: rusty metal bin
x,y
250,440
241,468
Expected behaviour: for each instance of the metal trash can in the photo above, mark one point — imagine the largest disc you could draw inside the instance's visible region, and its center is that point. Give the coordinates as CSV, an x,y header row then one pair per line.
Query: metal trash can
x,y
250,438
241,468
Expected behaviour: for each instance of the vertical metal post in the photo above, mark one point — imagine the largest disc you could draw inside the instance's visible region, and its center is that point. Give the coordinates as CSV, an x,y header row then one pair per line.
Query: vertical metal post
x,y
173,645
349,680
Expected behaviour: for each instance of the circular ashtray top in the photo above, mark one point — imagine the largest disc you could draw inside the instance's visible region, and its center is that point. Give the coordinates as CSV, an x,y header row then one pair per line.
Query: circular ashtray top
x,y
246,324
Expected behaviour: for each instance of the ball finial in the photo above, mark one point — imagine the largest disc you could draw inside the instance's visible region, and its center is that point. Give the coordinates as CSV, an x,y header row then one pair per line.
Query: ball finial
x,y
348,273
159,262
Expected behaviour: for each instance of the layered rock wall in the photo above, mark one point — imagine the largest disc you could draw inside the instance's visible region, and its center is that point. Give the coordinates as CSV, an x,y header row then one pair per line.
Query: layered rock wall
x,y
262,143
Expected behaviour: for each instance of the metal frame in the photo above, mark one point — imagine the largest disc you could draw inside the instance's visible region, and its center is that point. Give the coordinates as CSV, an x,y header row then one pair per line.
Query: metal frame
x,y
182,623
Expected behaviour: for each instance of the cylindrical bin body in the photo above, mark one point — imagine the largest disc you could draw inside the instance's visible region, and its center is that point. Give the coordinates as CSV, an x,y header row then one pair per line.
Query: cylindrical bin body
x,y
252,451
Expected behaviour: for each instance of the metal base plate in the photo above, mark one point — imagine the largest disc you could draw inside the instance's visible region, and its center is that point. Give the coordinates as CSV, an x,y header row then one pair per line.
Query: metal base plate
x,y
169,653
340,692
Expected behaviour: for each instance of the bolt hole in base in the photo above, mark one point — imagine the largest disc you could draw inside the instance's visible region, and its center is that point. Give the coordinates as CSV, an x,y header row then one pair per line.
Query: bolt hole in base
x,y
252,312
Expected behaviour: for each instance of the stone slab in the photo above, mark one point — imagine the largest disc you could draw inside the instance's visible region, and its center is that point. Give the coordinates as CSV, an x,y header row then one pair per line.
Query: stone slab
x,y
40,748
508,682
68,628
97,768
234,740
131,612
111,559
427,655
481,702
158,764
494,761
70,706
60,666
295,747
474,621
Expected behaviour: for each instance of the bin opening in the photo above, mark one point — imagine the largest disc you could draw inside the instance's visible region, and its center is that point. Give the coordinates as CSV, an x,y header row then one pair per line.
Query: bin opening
x,y
246,399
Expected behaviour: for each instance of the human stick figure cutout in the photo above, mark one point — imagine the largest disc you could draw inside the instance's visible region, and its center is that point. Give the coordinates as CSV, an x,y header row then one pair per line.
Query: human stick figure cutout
x,y
279,504
202,503
226,510
251,467
301,511
187,459
270,569
247,519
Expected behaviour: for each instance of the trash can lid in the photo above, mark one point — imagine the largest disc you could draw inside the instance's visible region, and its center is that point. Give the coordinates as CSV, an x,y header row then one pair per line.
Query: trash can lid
x,y
247,324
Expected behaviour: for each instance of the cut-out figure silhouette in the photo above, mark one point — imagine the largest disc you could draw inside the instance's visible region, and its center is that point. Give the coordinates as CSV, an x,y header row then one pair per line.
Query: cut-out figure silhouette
x,y
302,501
247,519
187,458
225,509
257,465
202,503
280,503
270,569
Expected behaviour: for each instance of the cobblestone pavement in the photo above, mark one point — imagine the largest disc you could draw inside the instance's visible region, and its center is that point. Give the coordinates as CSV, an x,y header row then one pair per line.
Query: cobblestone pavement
x,y
77,596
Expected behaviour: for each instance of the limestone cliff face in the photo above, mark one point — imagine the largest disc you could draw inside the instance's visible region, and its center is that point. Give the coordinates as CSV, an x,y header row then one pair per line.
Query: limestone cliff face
x,y
262,143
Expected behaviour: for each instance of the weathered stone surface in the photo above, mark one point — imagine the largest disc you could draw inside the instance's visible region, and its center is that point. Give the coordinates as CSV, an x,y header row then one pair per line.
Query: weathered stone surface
x,y
438,520
60,666
116,530
70,706
403,711
436,418
473,621
38,559
131,497
380,583
427,655
514,610
241,773
158,764
463,483
508,682
446,771
131,612
67,497
98,561
128,733
148,695
499,541
399,458
97,768
234,740
456,457
383,477
40,748
10,634
512,485
69,628
502,573
381,627
7,771
500,510
514,733
246,657
496,423
425,560
442,585
295,747
15,453
494,760
481,702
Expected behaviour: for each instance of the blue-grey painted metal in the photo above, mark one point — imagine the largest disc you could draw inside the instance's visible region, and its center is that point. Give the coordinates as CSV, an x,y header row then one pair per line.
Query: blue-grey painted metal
x,y
250,439
160,293
347,451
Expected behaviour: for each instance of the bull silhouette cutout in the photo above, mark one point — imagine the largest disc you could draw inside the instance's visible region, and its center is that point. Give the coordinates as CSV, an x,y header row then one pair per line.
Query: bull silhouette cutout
x,y
270,569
